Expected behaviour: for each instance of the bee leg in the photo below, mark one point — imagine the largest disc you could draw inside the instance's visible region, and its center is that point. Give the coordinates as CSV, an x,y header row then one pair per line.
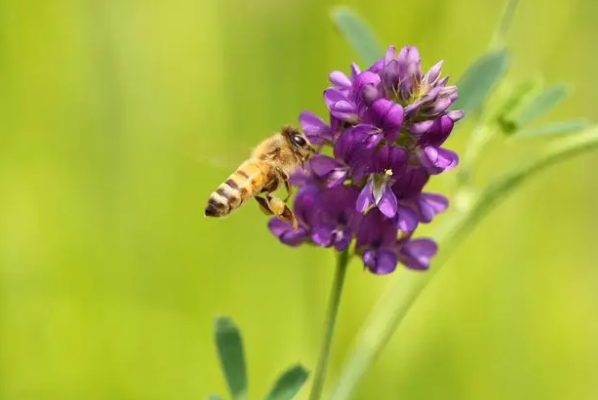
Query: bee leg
x,y
282,211
288,216
264,205
285,178
289,189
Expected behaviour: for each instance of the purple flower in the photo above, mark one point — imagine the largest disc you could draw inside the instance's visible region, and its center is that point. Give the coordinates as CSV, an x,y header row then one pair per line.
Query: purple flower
x,y
429,205
316,130
377,192
437,160
376,238
325,216
416,253
385,138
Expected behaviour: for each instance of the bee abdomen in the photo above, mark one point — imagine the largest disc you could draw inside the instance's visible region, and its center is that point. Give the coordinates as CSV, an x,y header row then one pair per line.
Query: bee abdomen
x,y
240,186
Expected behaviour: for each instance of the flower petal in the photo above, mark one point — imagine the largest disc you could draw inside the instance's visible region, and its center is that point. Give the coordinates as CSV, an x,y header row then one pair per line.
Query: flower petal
x,y
388,116
430,205
377,67
438,132
311,123
294,238
373,140
306,203
411,182
322,236
342,240
417,253
409,61
328,169
352,140
333,95
355,70
343,110
438,159
315,128
365,78
434,73
393,158
376,231
407,219
337,177
388,203
322,165
366,197
380,262
443,81
300,178
285,232
421,127
369,95
391,75
439,106
456,115
412,109
390,54
365,90
278,227
340,80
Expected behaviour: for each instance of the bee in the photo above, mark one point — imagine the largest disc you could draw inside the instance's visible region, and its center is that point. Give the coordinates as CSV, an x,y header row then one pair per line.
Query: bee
x,y
270,166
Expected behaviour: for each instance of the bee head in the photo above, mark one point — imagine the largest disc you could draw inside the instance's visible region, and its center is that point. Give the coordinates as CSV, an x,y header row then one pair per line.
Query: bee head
x,y
299,143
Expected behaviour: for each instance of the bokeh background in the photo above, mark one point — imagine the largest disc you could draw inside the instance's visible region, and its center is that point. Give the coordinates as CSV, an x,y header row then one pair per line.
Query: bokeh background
x,y
119,117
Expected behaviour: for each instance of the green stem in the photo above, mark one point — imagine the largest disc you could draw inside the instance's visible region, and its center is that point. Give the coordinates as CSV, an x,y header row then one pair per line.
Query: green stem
x,y
480,136
333,306
406,288
505,24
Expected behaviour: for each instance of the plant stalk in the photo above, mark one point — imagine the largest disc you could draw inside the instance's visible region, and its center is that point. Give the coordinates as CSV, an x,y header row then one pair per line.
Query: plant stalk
x,y
404,290
331,314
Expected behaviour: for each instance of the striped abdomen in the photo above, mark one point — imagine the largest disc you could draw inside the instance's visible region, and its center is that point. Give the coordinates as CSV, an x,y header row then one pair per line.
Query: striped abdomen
x,y
247,181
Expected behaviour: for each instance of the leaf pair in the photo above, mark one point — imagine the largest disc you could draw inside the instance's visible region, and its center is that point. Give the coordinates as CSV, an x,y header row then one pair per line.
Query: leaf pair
x,y
232,361
530,102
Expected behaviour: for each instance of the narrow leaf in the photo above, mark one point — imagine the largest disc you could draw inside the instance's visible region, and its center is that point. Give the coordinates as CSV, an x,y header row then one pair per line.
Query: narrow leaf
x,y
232,360
543,103
358,33
288,384
505,24
475,86
554,129
519,97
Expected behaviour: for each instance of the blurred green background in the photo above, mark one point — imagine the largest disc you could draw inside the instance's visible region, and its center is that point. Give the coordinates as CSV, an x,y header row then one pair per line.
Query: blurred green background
x,y
114,118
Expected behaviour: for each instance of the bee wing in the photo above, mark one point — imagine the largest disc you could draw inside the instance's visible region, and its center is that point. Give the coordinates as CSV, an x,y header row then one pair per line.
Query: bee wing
x,y
222,160
217,162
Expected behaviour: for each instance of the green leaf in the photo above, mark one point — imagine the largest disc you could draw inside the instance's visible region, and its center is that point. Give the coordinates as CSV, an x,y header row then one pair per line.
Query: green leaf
x,y
555,128
543,103
288,384
505,24
517,99
215,397
358,33
477,83
230,350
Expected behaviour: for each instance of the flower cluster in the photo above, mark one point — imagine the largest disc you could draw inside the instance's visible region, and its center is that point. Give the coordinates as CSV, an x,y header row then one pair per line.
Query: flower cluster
x,y
384,141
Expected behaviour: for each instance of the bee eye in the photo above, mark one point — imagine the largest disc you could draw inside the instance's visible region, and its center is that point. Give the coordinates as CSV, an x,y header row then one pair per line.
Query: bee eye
x,y
298,140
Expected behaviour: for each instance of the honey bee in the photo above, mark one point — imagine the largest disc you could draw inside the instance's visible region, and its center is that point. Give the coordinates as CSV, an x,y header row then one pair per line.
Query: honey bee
x,y
271,164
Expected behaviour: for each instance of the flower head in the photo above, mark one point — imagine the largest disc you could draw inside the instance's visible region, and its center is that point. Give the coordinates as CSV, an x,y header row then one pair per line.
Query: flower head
x,y
386,131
